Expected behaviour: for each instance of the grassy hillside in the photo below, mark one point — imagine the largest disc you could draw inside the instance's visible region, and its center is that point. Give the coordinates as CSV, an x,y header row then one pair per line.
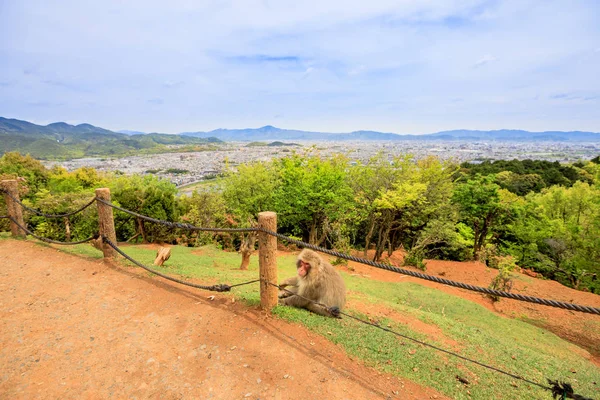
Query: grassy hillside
x,y
417,311
75,147
64,141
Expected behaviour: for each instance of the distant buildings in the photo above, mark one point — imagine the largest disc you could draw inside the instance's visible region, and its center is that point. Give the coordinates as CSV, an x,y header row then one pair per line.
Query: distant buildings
x,y
209,163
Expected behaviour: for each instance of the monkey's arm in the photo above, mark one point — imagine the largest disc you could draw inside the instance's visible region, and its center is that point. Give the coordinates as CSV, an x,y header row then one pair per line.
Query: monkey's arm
x,y
291,285
323,311
293,281
294,301
299,302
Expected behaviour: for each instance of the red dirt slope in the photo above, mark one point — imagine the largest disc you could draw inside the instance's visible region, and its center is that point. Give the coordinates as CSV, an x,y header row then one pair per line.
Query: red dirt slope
x,y
580,328
77,329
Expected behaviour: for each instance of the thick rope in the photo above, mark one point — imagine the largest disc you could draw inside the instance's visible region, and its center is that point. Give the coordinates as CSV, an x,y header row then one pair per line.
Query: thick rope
x,y
38,212
215,288
480,289
170,224
43,239
514,296
557,387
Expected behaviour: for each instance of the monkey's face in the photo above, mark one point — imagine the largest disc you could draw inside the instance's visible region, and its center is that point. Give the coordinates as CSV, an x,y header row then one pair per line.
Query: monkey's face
x,y
303,268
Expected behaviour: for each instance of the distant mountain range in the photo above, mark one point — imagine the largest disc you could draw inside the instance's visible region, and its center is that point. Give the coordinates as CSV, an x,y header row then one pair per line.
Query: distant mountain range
x,y
272,133
61,140
16,126
130,133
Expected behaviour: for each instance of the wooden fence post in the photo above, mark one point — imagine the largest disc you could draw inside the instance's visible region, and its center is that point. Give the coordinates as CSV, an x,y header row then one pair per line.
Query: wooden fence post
x,y
13,208
267,260
106,222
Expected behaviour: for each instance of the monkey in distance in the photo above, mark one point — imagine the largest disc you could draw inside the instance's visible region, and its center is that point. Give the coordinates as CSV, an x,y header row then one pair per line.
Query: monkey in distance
x,y
317,281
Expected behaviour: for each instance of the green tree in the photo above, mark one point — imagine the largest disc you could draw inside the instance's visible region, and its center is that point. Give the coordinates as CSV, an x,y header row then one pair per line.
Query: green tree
x,y
520,184
75,227
421,193
313,194
593,170
248,191
551,173
483,204
367,181
573,243
63,181
524,231
557,233
82,179
32,175
204,209
437,233
149,196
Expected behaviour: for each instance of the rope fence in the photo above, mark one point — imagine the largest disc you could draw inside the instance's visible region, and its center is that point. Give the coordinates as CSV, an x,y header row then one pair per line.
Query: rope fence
x,y
461,285
415,274
169,224
43,239
40,213
558,389
214,288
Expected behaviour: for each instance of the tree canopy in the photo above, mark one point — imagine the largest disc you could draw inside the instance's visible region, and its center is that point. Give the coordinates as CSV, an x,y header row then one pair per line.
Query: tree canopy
x,y
546,216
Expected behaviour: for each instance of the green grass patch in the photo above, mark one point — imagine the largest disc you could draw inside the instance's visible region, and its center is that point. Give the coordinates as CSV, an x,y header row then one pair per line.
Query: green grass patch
x,y
85,250
513,345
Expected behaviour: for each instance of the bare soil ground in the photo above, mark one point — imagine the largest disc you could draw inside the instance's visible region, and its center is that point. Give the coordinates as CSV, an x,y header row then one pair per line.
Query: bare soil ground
x,y
72,328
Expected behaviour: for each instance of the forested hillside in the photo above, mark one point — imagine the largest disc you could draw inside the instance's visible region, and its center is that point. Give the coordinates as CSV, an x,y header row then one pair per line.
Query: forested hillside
x,y
63,141
529,214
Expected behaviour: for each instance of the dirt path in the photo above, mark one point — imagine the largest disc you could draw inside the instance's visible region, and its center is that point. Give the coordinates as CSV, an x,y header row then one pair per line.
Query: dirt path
x,y
77,329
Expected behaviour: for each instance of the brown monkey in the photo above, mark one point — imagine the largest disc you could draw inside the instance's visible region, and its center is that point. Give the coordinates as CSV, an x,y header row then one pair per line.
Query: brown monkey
x,y
318,281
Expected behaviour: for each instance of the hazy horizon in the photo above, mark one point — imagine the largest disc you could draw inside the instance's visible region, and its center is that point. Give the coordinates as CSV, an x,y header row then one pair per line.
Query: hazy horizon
x,y
405,67
294,129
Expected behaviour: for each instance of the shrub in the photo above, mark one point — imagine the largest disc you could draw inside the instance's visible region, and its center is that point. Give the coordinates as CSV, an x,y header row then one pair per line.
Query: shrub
x,y
503,281
414,258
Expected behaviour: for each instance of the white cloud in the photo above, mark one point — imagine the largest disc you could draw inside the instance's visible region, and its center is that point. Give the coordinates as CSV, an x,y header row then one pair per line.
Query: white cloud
x,y
357,70
307,73
334,65
171,83
484,60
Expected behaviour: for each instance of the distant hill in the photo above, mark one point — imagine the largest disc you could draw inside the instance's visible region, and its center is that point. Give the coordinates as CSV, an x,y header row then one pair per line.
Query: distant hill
x,y
61,140
15,126
282,144
269,133
127,132
272,144
517,136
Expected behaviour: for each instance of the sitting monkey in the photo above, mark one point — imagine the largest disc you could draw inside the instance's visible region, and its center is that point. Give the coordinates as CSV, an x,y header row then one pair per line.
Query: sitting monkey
x,y
318,281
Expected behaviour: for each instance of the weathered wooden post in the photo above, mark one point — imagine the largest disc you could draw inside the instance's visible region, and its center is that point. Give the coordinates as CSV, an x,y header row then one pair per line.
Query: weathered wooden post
x,y
106,222
162,255
267,260
13,208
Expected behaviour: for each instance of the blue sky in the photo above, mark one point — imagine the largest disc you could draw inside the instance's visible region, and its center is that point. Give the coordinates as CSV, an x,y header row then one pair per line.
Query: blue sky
x,y
402,66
